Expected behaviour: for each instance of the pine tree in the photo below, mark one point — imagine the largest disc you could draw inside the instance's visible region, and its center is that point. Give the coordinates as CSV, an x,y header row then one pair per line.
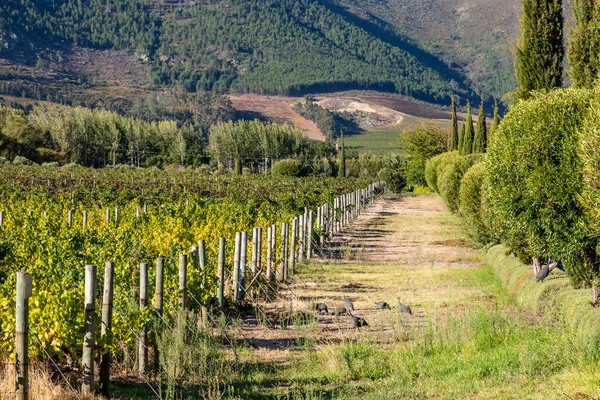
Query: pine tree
x,y
453,140
461,138
342,169
496,120
469,133
584,44
539,53
480,141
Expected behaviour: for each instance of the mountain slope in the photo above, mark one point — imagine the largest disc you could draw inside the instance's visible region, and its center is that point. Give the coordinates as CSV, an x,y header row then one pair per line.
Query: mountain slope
x,y
474,35
259,46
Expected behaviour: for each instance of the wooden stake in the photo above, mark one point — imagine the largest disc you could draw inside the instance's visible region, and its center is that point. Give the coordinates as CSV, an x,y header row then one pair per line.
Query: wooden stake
x,y
221,288
182,280
143,339
107,305
22,335
87,386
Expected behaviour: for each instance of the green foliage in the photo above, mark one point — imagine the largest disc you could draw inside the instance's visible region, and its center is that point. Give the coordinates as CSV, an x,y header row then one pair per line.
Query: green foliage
x,y
496,120
419,145
469,136
453,141
288,167
342,163
461,137
535,180
394,178
278,47
332,124
584,44
539,53
480,141
434,166
450,174
244,143
474,206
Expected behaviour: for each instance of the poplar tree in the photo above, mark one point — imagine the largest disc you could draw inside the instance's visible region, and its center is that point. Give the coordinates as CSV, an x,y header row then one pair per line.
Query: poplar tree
x,y
539,53
461,138
469,133
496,120
584,44
453,140
480,141
342,169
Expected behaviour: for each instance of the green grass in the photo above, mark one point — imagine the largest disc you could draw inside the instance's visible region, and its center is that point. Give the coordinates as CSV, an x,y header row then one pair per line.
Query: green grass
x,y
385,140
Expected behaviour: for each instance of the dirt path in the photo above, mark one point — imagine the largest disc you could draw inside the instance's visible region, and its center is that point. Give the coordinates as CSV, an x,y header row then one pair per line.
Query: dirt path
x,y
403,247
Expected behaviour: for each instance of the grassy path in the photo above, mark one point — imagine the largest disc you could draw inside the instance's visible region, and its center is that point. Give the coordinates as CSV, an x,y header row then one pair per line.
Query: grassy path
x,y
466,338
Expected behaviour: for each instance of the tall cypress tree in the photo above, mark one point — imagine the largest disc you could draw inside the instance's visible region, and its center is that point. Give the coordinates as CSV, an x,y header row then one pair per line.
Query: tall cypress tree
x,y
539,53
480,142
496,120
469,132
461,138
342,169
453,140
584,44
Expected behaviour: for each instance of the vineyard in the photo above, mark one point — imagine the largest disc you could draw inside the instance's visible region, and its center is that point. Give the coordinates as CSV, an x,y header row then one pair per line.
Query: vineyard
x,y
55,223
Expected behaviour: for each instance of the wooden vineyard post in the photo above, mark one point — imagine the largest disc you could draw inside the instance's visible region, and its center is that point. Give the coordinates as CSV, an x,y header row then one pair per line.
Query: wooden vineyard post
x,y
108,215
309,247
158,301
243,261
182,280
22,335
87,386
1,218
116,215
269,253
236,265
107,300
70,218
282,276
274,251
259,251
202,260
292,253
85,218
301,236
221,289
143,339
255,252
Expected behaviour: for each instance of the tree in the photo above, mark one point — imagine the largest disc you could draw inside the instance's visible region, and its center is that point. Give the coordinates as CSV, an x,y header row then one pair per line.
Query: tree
x,y
480,141
419,145
584,44
496,120
342,170
539,53
469,137
453,141
461,137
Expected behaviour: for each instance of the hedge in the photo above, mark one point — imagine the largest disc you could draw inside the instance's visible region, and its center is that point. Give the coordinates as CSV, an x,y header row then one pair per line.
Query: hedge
x,y
554,299
473,208
535,180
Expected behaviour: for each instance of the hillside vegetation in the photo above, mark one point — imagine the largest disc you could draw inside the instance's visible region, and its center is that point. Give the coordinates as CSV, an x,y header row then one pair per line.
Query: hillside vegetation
x,y
277,47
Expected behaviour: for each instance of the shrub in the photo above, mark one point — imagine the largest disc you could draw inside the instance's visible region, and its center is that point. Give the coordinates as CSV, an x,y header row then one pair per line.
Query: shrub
x,y
20,160
4,160
287,167
419,145
535,180
52,164
394,178
246,171
432,168
473,205
450,175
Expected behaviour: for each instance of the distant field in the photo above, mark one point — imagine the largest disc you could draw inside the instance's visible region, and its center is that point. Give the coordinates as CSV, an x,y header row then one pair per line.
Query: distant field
x,y
385,139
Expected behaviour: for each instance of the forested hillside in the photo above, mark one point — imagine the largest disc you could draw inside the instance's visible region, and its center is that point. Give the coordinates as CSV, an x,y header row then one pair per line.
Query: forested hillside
x,y
276,47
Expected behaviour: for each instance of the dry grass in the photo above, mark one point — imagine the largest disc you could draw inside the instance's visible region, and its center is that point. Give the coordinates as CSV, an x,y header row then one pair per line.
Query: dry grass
x,y
41,386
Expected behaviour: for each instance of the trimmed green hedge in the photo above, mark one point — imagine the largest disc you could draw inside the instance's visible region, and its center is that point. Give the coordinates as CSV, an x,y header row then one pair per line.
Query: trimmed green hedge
x,y
474,206
535,180
554,299
434,166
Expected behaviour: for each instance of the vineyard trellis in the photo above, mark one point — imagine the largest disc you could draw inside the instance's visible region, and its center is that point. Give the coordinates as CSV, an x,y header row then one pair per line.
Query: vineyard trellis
x,y
121,225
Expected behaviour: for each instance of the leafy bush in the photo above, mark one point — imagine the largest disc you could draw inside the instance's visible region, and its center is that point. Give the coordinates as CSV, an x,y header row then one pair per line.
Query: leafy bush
x,y
450,175
287,167
535,180
474,205
419,145
20,160
433,167
394,178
